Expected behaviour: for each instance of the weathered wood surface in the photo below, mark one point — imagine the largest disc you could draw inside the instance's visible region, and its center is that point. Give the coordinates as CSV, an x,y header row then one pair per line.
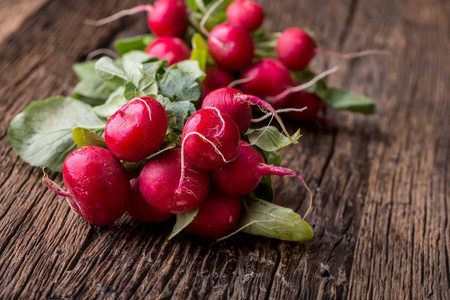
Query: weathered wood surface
x,y
382,182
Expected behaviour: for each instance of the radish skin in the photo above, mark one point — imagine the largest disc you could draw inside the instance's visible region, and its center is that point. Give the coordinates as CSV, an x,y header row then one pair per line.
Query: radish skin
x,y
97,185
217,215
159,183
210,138
140,210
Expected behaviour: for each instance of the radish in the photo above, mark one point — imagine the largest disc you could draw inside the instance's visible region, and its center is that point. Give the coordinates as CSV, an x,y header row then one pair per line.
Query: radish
x,y
227,101
168,18
165,17
210,138
136,130
246,13
242,176
231,47
166,189
215,78
302,99
140,210
295,48
97,185
238,106
267,78
217,215
171,49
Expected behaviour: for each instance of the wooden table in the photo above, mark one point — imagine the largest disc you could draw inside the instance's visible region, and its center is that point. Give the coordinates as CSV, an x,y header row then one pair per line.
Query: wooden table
x,y
382,204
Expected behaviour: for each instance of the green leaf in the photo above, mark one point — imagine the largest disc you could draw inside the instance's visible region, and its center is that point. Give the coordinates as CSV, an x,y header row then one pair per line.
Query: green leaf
x,y
170,112
183,220
138,56
110,71
192,68
144,83
42,133
269,138
264,190
341,99
114,102
179,86
85,70
199,50
139,42
272,158
183,110
152,68
85,137
274,221
93,91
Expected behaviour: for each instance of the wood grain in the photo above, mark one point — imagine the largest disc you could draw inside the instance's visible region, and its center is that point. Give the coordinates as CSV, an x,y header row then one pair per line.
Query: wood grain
x,y
381,203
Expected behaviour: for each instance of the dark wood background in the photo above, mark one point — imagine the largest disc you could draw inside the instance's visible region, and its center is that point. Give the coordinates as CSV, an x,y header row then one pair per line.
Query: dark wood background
x,y
382,182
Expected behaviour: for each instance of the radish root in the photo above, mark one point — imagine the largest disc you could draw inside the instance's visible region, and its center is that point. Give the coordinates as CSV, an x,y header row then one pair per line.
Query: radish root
x,y
353,54
120,14
281,110
304,86
207,15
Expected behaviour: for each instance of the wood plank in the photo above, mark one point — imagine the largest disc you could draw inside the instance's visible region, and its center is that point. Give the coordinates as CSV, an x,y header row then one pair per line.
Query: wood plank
x,y
402,248
14,12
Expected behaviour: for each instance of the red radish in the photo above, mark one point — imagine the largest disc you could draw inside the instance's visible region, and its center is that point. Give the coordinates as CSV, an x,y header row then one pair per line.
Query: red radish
x,y
171,49
215,78
225,100
165,17
136,130
295,48
168,18
217,215
164,187
140,210
267,78
97,185
210,138
231,47
242,176
238,106
302,99
246,13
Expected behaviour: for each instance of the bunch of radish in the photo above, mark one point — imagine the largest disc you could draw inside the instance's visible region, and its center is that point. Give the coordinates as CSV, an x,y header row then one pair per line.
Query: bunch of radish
x,y
166,129
210,172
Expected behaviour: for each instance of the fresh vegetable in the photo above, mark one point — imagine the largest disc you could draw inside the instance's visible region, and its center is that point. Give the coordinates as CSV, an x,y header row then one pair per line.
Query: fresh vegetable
x,y
217,215
136,130
141,108
166,189
238,106
299,100
231,47
97,185
215,78
242,176
246,13
225,100
295,48
165,17
265,79
170,49
140,210
210,138
168,18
